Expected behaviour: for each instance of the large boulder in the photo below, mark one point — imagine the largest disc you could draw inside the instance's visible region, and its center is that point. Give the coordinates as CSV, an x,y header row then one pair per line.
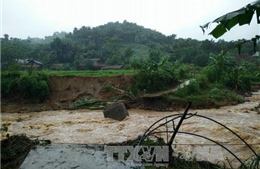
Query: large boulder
x,y
116,111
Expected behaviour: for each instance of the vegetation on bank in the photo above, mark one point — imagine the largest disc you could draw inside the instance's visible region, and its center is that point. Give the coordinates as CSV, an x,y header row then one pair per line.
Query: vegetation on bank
x,y
220,83
31,86
90,73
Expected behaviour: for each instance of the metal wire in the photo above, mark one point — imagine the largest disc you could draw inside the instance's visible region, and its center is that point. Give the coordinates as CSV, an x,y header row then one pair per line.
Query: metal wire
x,y
152,131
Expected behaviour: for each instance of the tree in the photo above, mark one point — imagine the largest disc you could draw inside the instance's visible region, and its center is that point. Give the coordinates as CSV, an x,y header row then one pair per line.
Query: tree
x,y
228,21
128,52
155,76
135,63
155,56
63,51
6,37
221,64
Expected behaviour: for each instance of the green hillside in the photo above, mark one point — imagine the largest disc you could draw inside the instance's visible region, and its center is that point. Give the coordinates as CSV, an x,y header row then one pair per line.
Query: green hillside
x,y
115,44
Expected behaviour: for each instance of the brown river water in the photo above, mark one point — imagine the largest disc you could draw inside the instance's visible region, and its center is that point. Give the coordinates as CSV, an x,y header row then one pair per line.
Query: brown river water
x,y
90,127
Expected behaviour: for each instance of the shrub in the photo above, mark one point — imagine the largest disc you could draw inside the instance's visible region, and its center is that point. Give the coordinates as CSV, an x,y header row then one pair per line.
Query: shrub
x,y
27,86
9,82
203,82
42,90
245,85
5,86
154,76
30,86
84,102
182,73
11,74
108,87
225,95
192,88
211,74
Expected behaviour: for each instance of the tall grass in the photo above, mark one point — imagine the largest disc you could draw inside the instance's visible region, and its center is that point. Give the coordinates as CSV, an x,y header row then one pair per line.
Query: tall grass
x,y
91,73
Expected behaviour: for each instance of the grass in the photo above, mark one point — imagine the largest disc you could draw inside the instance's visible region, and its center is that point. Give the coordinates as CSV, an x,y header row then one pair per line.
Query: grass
x,y
90,73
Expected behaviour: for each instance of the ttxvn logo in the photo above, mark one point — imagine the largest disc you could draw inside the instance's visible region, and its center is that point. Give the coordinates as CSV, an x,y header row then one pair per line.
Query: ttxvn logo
x,y
144,155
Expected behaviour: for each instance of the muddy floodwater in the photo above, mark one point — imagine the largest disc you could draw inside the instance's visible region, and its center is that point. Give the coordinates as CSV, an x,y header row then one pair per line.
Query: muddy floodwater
x,y
90,127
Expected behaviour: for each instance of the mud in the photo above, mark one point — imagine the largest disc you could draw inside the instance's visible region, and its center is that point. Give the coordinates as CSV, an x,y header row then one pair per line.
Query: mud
x,y
65,89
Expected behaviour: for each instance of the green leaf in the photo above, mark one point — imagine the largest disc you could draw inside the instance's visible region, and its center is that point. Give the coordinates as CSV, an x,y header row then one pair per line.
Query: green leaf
x,y
206,26
258,15
241,16
218,31
245,18
231,23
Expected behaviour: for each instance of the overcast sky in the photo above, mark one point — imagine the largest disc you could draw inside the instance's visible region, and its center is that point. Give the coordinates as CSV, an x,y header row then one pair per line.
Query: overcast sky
x,y
39,18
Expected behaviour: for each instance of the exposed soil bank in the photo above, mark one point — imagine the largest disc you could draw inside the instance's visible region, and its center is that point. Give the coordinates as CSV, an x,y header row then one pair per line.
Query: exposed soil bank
x,y
66,89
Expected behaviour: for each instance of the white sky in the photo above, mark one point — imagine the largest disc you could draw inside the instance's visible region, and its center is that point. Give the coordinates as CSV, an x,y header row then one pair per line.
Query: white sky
x,y
39,18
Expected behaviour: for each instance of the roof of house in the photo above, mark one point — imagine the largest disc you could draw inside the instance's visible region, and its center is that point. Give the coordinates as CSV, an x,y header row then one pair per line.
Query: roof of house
x,y
22,61
93,59
112,67
243,57
35,61
27,61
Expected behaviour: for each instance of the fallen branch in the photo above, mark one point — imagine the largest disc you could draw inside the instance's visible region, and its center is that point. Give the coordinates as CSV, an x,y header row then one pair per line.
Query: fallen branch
x,y
124,93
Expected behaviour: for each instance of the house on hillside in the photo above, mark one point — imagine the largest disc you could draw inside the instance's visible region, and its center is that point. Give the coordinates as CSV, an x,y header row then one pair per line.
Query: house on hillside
x,y
112,67
29,63
57,66
94,64
97,64
244,57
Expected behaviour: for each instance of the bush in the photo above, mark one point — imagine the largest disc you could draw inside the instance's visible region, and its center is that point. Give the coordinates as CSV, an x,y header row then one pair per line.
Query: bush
x,y
84,102
182,73
192,88
27,86
42,90
245,85
5,86
11,74
203,82
211,74
9,82
242,84
30,86
226,95
108,87
154,76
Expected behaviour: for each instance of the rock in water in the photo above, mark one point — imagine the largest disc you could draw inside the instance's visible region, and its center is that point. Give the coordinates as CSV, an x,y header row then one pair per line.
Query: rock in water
x,y
116,111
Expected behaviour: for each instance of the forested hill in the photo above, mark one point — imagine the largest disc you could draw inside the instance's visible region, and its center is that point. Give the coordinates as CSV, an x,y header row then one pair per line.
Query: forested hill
x,y
114,43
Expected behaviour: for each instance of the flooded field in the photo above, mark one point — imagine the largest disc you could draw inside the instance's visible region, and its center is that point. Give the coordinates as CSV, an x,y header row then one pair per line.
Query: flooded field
x,y
90,127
